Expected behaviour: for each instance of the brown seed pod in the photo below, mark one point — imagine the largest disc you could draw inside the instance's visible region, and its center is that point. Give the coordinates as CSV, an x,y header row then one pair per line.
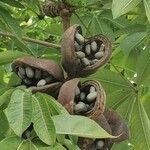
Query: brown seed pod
x,y
90,144
84,55
51,9
86,99
39,75
117,124
112,122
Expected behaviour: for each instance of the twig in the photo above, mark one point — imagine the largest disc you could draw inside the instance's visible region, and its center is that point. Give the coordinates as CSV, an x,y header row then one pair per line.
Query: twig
x,y
27,39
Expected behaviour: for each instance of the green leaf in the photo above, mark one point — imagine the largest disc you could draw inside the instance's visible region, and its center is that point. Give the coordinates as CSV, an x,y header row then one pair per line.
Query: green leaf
x,y
3,26
110,80
27,145
80,126
55,29
130,62
43,124
120,22
143,67
147,8
13,3
123,146
99,26
132,41
21,45
9,56
140,127
130,29
116,98
3,90
10,143
146,103
5,98
14,80
19,111
10,21
54,107
125,109
70,145
123,6
4,123
41,146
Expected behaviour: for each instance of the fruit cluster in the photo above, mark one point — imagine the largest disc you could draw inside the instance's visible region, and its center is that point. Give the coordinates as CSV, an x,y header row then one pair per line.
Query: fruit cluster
x,y
80,57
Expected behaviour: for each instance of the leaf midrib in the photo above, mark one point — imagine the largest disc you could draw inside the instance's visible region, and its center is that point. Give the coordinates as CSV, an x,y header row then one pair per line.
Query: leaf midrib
x,y
140,115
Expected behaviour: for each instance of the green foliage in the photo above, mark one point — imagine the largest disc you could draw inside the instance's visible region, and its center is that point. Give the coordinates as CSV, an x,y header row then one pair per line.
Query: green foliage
x,y
73,127
19,111
8,56
43,124
123,6
125,78
47,115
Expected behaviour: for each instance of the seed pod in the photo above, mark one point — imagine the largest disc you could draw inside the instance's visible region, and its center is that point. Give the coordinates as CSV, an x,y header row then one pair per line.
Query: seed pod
x,y
47,68
91,144
76,68
112,122
51,9
117,124
68,99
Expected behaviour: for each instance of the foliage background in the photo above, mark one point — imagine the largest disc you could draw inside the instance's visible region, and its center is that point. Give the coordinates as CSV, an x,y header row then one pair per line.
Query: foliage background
x,y
125,78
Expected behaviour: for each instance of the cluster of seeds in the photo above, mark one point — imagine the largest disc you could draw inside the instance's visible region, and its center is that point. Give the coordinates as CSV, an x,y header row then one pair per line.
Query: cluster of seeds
x,y
34,77
84,99
88,53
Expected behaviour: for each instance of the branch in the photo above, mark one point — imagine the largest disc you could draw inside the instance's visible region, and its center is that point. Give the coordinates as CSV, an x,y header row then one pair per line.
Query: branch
x,y
27,39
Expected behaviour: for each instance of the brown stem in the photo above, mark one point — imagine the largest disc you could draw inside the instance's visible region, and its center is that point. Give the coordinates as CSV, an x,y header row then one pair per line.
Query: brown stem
x,y
65,15
27,39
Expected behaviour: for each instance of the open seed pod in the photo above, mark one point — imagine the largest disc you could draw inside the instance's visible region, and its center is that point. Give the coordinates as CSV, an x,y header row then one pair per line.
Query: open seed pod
x,y
94,144
87,99
118,126
83,56
113,124
39,75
